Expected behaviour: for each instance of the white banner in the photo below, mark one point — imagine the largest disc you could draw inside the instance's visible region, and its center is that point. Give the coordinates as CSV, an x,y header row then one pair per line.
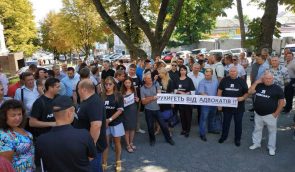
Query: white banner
x,y
129,100
197,100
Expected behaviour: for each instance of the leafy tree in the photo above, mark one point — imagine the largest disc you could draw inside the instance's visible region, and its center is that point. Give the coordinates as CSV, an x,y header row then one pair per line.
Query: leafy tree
x,y
152,25
268,20
254,34
19,27
198,17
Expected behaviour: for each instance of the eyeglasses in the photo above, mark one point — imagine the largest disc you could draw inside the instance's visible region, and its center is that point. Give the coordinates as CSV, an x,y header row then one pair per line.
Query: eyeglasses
x,y
108,84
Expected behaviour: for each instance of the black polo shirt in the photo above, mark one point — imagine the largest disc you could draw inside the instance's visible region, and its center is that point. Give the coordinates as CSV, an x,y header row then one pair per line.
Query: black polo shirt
x,y
42,110
233,88
266,98
92,109
66,149
112,106
105,74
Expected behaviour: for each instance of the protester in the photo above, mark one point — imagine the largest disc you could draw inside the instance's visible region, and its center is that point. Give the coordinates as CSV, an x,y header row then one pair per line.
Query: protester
x,y
196,75
107,71
280,73
70,81
208,86
70,153
2,98
268,103
28,93
40,74
57,73
114,105
244,62
119,78
184,86
228,63
233,86
4,81
42,118
130,113
148,94
174,73
240,68
64,70
16,144
91,116
289,89
218,67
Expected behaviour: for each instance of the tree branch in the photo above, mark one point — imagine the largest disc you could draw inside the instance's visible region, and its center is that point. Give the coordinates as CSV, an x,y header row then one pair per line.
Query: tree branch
x,y
171,24
161,18
141,22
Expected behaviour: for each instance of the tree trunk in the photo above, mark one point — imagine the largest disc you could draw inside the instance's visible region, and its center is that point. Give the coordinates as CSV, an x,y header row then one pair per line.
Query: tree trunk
x,y
242,23
268,23
156,51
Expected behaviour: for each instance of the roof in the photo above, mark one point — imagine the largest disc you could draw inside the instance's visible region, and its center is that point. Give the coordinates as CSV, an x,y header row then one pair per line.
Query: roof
x,y
227,23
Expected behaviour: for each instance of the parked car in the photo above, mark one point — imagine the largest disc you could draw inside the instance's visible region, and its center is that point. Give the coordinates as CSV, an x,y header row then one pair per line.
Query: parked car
x,y
168,57
220,51
195,52
238,51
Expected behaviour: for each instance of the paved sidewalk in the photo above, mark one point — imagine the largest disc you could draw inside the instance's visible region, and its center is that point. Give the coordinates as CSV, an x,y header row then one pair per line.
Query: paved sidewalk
x,y
193,155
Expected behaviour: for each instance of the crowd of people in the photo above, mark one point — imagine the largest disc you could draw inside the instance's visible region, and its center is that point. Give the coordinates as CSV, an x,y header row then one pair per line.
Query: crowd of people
x,y
66,119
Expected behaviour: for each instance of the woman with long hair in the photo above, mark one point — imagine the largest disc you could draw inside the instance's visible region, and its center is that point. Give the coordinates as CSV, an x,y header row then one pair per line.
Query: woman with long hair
x,y
184,86
114,108
16,144
130,111
167,86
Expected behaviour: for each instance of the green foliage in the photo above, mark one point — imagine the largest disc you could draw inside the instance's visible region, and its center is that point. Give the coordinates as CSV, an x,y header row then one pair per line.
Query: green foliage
x,y
76,28
254,34
19,27
198,17
246,18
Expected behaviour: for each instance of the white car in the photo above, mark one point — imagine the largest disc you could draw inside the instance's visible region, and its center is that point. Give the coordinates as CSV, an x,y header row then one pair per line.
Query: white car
x,y
220,51
238,51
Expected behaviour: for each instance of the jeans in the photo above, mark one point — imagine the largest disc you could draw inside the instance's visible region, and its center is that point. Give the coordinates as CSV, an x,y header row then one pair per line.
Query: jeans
x,y
289,92
271,122
95,164
150,117
207,112
238,118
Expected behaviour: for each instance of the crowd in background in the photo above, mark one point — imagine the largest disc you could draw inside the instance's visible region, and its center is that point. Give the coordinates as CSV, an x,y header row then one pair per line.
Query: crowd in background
x,y
66,119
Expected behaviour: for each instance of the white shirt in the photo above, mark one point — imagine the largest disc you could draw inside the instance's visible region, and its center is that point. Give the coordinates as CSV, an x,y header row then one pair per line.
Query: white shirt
x,y
4,81
196,79
30,97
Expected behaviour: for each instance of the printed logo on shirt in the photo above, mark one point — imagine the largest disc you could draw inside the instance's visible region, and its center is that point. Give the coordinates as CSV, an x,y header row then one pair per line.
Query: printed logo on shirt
x,y
232,85
106,103
263,91
50,116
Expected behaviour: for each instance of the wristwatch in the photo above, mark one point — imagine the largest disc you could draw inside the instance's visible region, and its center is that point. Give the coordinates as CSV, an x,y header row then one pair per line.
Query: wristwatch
x,y
110,119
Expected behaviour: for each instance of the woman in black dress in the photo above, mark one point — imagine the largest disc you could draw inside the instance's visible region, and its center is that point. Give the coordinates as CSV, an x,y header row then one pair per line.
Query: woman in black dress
x,y
184,86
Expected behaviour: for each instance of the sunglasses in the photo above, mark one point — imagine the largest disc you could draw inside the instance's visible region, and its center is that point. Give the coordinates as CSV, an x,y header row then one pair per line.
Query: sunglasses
x,y
108,84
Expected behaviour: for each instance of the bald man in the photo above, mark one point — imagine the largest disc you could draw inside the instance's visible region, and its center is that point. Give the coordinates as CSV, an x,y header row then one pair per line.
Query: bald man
x,y
65,148
91,115
233,86
268,103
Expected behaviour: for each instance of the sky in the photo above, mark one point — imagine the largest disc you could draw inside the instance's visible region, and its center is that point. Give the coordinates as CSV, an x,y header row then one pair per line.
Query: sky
x,y
43,7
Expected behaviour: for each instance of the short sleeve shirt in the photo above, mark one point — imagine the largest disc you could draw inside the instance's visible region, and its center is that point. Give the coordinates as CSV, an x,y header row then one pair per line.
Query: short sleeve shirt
x,y
23,158
148,92
112,106
233,88
266,98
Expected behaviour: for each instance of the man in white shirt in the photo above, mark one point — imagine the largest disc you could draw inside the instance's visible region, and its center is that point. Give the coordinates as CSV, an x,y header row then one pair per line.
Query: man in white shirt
x,y
240,68
196,75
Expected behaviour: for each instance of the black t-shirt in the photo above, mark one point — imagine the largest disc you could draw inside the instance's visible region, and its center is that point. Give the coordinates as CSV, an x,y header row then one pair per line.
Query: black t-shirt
x,y
185,85
112,106
65,148
266,98
233,88
92,109
77,92
43,111
170,89
105,74
137,84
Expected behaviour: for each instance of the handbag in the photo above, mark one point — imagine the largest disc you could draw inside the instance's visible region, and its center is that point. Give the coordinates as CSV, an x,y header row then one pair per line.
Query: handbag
x,y
173,120
167,114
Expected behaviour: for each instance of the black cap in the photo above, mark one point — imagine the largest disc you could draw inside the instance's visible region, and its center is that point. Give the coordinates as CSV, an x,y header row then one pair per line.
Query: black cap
x,y
61,103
